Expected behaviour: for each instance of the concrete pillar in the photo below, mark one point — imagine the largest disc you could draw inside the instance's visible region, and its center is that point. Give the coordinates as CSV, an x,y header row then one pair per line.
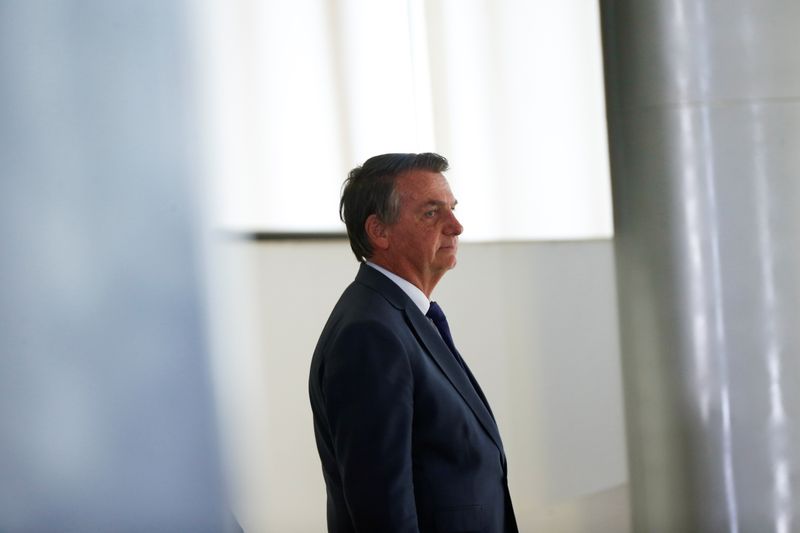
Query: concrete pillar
x,y
704,123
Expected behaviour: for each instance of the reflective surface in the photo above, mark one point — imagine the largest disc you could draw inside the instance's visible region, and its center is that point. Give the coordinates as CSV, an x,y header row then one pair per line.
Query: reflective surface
x,y
705,124
678,52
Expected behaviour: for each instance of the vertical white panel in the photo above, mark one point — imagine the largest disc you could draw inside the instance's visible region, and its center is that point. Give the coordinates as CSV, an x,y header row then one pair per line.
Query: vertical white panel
x,y
274,132
423,89
379,77
466,110
554,131
521,88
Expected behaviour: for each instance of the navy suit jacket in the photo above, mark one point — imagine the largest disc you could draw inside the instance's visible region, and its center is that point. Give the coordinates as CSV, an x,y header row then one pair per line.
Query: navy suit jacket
x,y
405,436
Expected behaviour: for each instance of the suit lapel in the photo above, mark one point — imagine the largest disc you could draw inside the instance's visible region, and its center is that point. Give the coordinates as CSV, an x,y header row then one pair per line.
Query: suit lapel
x,y
441,355
435,346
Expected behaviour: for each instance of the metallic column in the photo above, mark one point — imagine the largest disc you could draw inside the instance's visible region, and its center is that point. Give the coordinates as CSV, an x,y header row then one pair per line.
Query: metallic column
x,y
704,122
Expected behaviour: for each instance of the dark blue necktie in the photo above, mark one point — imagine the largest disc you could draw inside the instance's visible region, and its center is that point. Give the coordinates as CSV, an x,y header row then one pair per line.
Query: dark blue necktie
x,y
436,314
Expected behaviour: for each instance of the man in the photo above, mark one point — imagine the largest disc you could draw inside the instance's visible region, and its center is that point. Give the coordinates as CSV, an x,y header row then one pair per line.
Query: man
x,y
406,438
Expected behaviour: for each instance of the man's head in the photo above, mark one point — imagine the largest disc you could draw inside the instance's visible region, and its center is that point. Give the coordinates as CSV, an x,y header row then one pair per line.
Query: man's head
x,y
398,209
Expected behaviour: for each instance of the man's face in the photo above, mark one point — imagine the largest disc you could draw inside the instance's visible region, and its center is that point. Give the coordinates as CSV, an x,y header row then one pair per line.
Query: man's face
x,y
424,240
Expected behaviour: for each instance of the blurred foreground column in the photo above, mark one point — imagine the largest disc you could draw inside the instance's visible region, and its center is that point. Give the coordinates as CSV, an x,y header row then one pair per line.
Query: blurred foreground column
x,y
106,413
704,118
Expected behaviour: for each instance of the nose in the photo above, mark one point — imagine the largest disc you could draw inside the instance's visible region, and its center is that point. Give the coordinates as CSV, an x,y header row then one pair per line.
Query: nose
x,y
453,226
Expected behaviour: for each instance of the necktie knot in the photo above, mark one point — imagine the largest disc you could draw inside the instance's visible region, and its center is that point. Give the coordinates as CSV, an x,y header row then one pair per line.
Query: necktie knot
x,y
436,314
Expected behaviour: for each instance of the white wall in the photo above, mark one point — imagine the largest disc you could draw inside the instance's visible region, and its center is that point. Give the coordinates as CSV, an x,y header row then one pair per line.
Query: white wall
x,y
536,322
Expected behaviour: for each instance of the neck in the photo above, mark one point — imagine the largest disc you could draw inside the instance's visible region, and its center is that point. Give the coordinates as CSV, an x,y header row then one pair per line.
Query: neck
x,y
423,283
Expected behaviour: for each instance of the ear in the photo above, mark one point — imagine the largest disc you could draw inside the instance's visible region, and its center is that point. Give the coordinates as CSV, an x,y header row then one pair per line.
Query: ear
x,y
377,232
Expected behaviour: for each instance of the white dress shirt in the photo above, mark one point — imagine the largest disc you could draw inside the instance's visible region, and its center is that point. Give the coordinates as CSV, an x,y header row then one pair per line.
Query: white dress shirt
x,y
413,292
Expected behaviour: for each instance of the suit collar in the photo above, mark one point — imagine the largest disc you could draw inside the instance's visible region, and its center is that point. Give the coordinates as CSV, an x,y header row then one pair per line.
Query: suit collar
x,y
378,282
412,291
432,342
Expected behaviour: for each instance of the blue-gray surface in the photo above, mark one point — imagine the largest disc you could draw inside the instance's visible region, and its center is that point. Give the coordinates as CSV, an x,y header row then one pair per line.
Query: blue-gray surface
x,y
106,419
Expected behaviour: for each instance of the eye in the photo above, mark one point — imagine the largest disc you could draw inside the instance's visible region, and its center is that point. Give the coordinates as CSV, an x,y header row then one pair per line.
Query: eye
x,y
430,214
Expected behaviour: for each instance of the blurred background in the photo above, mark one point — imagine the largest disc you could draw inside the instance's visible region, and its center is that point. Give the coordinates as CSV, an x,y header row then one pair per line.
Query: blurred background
x,y
171,247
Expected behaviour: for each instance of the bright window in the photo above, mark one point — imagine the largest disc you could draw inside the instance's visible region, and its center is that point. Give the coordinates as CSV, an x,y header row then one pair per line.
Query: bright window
x,y
295,93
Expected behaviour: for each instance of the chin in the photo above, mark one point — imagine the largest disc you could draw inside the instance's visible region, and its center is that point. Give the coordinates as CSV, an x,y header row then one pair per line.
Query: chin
x,y
450,261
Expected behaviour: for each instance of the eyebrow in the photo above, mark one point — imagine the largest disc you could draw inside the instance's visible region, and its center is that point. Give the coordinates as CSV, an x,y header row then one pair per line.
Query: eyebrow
x,y
438,203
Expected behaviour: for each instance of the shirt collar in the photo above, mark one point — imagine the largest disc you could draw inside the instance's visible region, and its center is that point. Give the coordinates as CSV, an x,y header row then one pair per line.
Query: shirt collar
x,y
411,290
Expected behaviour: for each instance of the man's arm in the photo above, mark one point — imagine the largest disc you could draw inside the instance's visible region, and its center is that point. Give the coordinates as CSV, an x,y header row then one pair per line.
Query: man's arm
x,y
367,387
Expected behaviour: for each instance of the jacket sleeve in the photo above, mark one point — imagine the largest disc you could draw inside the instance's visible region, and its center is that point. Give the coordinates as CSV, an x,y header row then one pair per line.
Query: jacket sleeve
x,y
368,393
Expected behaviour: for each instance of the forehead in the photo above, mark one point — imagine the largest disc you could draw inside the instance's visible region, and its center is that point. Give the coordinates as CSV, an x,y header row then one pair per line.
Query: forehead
x,y
423,185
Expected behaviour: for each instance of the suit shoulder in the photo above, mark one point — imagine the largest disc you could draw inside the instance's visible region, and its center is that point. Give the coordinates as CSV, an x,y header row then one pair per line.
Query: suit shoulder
x,y
362,312
359,302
